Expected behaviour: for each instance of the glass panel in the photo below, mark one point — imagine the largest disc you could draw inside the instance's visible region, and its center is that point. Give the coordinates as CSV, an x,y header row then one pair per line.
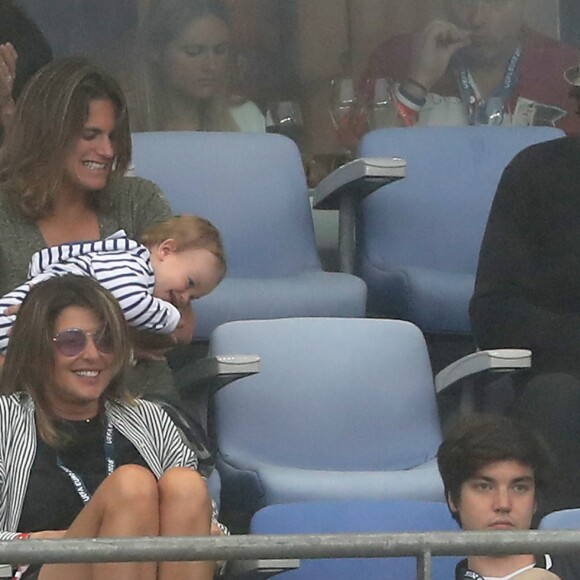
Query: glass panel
x,y
325,71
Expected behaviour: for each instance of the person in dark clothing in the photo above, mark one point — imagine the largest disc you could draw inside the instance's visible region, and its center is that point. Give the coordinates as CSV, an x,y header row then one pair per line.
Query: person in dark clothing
x,y
23,51
495,471
527,295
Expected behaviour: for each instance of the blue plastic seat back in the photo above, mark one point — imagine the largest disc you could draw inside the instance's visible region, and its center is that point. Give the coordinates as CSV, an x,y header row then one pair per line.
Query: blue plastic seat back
x,y
332,394
561,520
359,517
418,239
251,186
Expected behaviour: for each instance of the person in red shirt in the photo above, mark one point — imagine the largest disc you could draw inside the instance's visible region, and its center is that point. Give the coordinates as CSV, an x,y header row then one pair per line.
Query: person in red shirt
x,y
482,65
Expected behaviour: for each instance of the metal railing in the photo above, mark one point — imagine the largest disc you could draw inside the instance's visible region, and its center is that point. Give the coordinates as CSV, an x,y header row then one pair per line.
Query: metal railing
x,y
422,546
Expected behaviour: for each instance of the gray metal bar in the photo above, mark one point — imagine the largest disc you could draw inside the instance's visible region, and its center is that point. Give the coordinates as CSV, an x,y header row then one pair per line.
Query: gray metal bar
x,y
288,546
346,232
424,565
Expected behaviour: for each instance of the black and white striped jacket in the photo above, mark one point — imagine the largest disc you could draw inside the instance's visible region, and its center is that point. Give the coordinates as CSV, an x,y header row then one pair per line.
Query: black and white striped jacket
x,y
145,424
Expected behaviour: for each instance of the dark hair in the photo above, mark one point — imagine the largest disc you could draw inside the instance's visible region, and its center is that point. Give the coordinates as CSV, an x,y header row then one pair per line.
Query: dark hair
x,y
50,116
29,364
478,440
32,47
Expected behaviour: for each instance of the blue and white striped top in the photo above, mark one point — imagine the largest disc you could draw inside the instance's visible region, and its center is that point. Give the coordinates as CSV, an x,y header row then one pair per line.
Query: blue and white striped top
x,y
121,265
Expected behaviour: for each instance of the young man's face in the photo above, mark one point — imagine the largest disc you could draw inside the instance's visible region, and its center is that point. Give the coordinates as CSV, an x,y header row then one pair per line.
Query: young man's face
x,y
500,496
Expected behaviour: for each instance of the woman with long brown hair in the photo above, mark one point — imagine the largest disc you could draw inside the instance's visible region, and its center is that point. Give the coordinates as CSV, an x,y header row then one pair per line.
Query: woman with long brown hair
x,y
62,180
80,457
183,53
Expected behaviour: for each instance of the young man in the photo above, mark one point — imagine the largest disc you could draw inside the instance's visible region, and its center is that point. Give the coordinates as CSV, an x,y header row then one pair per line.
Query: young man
x,y
494,470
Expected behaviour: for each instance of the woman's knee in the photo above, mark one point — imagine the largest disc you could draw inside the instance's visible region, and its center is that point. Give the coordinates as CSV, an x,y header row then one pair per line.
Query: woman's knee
x,y
185,486
132,484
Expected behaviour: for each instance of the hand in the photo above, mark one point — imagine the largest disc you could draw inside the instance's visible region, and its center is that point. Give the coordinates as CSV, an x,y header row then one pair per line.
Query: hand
x,y
184,332
48,535
433,50
216,530
151,345
8,58
11,310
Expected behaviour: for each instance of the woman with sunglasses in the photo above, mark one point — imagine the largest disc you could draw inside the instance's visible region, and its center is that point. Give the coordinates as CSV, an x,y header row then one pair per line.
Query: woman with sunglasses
x,y
79,455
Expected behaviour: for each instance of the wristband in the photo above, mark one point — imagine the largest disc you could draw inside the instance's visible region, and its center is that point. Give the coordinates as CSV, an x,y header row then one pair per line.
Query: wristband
x,y
23,536
411,102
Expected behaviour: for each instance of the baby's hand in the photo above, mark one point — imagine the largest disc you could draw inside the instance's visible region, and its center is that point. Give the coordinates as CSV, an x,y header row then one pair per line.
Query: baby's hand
x,y
184,332
11,310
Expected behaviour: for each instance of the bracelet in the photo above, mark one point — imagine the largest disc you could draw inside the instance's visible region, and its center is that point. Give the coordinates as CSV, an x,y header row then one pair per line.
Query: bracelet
x,y
417,84
23,536
410,101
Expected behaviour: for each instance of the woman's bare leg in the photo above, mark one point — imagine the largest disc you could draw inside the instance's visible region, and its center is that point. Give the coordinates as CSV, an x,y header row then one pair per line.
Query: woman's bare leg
x,y
126,504
185,510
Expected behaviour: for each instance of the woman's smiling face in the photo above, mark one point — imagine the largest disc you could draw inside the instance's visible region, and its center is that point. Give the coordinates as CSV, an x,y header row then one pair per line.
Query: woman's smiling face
x,y
79,381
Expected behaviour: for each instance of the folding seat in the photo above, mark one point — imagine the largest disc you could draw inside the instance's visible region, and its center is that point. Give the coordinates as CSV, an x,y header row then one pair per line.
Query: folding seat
x,y
341,409
337,517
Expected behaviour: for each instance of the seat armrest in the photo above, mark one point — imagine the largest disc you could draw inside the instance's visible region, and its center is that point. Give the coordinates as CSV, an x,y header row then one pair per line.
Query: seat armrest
x,y
218,371
345,187
358,178
503,360
257,569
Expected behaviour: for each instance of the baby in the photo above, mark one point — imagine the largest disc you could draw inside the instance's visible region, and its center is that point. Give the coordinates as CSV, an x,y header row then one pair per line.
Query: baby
x,y
178,260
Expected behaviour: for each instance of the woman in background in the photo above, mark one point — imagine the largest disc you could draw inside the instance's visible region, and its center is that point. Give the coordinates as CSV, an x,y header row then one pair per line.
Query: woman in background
x,y
183,71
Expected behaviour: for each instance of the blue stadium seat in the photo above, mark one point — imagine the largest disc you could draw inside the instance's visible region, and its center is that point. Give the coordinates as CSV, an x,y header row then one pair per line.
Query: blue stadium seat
x,y
341,409
561,520
418,239
359,517
252,187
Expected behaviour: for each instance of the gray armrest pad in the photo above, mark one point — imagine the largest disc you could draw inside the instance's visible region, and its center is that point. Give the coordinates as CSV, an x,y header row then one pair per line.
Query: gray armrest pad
x,y
360,177
250,569
220,370
506,359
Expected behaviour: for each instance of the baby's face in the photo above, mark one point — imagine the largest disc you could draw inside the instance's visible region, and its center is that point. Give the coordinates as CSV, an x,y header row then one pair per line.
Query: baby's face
x,y
181,276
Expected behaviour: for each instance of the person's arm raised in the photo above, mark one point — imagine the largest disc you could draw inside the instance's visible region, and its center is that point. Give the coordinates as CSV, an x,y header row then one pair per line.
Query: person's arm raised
x,y
8,58
431,55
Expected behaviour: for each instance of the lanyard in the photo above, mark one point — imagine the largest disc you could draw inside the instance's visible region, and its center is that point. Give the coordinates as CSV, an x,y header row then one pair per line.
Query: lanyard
x,y
490,112
79,484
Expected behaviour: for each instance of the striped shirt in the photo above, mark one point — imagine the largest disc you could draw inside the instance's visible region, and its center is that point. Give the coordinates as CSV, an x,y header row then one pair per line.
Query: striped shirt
x,y
121,265
145,425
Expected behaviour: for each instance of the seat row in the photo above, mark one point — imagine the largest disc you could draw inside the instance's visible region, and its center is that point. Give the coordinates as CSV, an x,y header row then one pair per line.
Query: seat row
x,y
343,408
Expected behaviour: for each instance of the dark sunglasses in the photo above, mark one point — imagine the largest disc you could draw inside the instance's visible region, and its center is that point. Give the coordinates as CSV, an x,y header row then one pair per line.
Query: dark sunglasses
x,y
72,341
